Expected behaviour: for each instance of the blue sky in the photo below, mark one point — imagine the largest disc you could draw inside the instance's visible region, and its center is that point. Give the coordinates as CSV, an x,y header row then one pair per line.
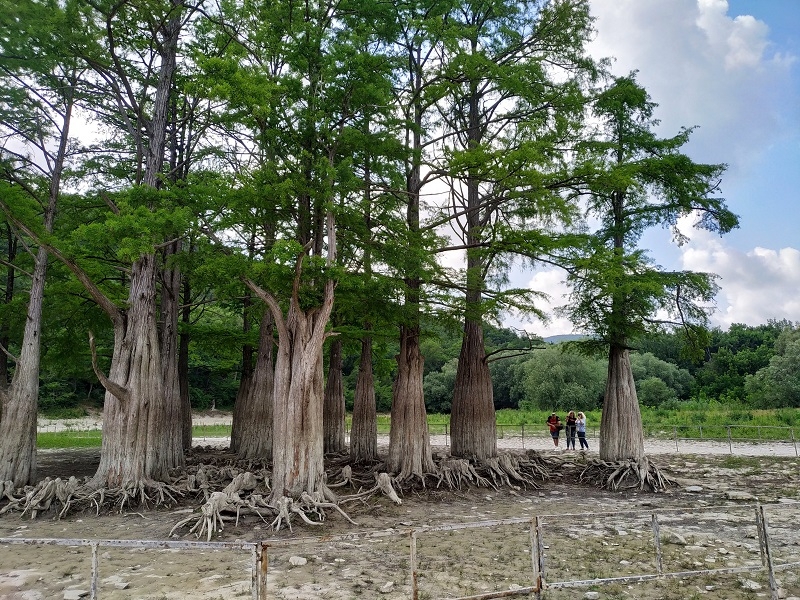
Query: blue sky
x,y
732,69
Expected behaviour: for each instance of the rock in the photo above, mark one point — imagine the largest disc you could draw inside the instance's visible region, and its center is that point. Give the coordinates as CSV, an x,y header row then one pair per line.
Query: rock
x,y
75,594
624,562
738,495
749,584
592,595
672,537
387,587
297,561
694,488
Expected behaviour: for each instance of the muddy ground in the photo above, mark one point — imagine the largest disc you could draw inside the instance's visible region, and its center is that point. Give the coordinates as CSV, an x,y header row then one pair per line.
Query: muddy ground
x,y
706,522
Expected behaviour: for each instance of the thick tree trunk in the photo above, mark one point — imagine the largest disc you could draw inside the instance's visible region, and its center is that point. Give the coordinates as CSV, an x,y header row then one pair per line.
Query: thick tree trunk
x,y
364,430
255,413
137,440
409,442
333,411
241,405
174,412
297,450
621,435
473,427
21,400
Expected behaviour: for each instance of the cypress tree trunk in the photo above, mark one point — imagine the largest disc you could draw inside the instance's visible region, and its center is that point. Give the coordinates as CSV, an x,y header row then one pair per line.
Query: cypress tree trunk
x,y
297,450
242,403
137,440
409,442
364,431
21,400
473,423
255,413
621,435
174,409
333,405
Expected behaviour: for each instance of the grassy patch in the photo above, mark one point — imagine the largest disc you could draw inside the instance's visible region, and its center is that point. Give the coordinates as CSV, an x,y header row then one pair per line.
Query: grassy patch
x,y
69,439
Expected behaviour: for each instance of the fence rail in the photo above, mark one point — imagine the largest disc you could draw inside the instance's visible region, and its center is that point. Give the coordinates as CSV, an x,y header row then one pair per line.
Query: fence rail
x,y
540,533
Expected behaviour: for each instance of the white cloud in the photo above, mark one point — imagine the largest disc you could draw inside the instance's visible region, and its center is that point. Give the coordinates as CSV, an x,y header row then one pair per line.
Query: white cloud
x,y
550,282
703,67
756,285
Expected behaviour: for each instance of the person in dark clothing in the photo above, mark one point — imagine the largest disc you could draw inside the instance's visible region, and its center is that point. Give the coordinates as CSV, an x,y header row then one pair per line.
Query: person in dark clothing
x,y
555,425
572,427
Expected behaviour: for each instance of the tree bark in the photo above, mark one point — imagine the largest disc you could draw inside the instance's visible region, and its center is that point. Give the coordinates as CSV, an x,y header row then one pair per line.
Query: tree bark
x,y
409,441
174,410
621,435
364,430
473,424
136,437
242,403
21,400
297,450
333,404
183,368
255,414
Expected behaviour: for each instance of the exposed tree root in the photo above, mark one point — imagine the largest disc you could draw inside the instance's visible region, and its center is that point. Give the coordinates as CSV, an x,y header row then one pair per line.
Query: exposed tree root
x,y
624,475
458,472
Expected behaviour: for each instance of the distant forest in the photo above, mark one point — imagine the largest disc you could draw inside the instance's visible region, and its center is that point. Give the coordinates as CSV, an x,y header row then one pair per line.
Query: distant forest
x,y
754,366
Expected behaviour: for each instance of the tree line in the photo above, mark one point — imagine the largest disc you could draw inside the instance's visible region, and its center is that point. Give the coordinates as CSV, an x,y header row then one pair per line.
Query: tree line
x,y
276,189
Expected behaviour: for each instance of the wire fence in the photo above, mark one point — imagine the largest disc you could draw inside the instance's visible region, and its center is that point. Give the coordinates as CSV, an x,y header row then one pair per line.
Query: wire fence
x,y
459,561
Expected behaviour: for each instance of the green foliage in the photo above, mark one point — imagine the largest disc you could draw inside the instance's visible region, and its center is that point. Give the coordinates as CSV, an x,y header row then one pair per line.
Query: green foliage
x,y
555,380
778,383
635,181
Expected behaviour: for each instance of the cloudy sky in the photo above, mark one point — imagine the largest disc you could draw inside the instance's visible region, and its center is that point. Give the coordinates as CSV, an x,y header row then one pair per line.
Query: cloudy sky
x,y
732,69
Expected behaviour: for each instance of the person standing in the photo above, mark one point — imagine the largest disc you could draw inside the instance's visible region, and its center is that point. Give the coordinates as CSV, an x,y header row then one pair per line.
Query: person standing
x,y
555,425
572,423
580,424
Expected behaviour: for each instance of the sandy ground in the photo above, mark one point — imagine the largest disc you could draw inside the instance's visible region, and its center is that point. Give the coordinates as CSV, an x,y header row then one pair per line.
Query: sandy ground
x,y
708,522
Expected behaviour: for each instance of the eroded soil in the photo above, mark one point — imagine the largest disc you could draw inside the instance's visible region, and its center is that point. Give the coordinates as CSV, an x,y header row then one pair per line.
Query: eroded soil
x,y
707,522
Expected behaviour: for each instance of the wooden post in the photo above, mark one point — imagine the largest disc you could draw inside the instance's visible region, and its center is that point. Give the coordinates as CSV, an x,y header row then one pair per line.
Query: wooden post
x,y
657,542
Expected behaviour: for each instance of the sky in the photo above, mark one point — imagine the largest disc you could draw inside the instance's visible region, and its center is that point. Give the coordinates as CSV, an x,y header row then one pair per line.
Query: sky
x,y
730,68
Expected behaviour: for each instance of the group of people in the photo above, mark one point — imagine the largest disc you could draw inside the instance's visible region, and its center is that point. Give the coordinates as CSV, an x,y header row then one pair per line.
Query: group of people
x,y
574,425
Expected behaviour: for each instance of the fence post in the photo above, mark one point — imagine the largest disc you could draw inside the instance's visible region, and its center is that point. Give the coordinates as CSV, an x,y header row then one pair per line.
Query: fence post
x,y
537,556
95,569
730,445
767,559
657,542
701,431
675,434
794,441
254,569
413,564
523,436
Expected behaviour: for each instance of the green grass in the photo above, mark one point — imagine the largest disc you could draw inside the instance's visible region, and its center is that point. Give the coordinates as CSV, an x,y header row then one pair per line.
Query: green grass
x,y
69,439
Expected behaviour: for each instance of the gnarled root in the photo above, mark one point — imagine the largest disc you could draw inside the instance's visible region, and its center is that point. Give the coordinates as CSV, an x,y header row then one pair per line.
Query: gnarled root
x,y
626,474
383,483
228,500
457,471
